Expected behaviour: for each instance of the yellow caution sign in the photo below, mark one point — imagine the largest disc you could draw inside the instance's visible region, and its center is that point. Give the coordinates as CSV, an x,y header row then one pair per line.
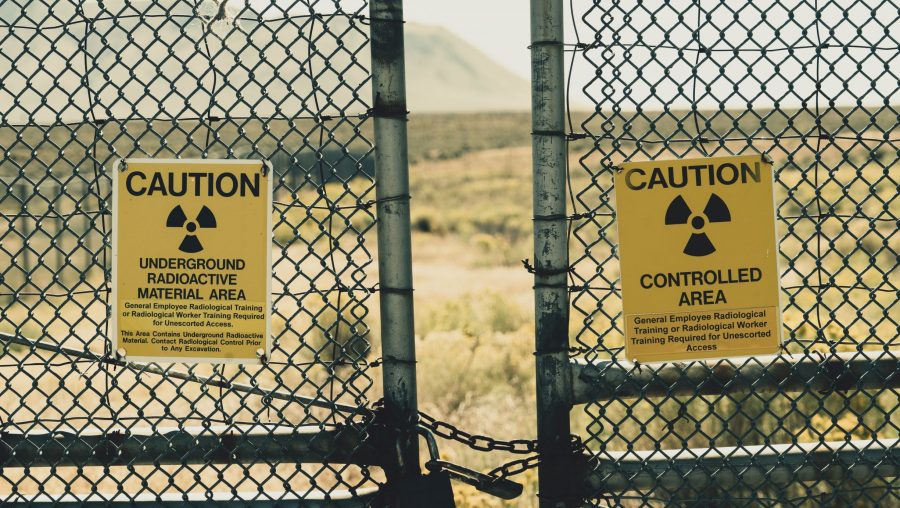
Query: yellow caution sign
x,y
192,262
698,258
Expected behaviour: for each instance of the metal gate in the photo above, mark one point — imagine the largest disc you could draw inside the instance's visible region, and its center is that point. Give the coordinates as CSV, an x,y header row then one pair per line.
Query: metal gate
x,y
85,83
813,85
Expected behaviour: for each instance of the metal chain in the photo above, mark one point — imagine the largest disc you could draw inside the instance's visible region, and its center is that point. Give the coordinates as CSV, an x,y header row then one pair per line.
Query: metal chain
x,y
519,466
487,444
475,441
515,467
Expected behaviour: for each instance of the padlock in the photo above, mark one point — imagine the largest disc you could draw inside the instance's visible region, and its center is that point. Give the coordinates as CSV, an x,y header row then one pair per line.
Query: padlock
x,y
432,490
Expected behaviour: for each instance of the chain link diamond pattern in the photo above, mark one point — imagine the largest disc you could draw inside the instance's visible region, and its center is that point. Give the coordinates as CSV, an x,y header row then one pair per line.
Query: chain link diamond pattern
x,y
83,84
814,85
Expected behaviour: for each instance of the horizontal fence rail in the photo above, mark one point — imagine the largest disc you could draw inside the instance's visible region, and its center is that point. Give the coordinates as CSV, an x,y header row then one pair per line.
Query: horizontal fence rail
x,y
341,499
747,466
864,370
191,445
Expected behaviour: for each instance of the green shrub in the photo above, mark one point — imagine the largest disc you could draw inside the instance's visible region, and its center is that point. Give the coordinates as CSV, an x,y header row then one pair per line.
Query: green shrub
x,y
474,315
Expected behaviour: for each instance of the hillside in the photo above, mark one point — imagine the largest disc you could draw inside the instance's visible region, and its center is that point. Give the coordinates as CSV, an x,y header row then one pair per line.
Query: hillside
x,y
146,61
447,74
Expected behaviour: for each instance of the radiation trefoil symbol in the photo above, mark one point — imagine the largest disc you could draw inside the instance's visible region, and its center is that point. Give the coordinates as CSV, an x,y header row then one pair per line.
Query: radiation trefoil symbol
x,y
177,219
679,213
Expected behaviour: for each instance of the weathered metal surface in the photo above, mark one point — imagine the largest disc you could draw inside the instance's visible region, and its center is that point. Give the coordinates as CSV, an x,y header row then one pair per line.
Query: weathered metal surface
x,y
551,258
341,498
745,466
608,380
235,444
394,234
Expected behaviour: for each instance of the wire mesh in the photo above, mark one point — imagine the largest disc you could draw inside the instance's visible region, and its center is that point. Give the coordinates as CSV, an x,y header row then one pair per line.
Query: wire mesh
x,y
85,83
814,85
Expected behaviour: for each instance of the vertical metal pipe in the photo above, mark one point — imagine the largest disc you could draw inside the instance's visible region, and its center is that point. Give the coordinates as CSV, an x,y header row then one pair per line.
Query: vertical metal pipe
x,y
60,236
551,253
394,242
23,193
88,229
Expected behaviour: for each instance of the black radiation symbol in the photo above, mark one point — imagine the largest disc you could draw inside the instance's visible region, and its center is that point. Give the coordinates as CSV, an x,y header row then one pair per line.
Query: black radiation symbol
x,y
716,211
177,219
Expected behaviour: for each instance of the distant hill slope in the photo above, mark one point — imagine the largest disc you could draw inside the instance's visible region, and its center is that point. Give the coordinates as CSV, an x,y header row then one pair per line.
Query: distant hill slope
x,y
146,62
447,74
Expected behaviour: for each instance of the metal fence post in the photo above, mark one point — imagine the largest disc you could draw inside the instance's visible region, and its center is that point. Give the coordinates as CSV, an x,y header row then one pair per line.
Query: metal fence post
x,y
394,242
555,477
23,193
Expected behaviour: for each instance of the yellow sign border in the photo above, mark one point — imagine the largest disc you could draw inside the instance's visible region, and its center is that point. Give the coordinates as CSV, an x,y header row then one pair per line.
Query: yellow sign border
x,y
779,310
113,302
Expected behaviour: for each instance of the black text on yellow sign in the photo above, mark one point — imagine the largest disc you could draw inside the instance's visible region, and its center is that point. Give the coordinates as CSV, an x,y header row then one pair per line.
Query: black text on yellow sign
x,y
698,255
192,260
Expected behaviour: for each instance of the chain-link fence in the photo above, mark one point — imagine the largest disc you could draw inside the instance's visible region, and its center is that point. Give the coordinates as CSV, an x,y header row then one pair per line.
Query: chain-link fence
x,y
813,84
82,84
85,83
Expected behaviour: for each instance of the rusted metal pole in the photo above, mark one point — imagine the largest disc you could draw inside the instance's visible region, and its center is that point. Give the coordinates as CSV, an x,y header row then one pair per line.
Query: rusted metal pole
x,y
556,477
394,241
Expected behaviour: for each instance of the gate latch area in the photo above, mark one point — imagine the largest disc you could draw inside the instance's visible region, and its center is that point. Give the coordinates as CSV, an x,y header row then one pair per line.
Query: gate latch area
x,y
432,489
496,486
